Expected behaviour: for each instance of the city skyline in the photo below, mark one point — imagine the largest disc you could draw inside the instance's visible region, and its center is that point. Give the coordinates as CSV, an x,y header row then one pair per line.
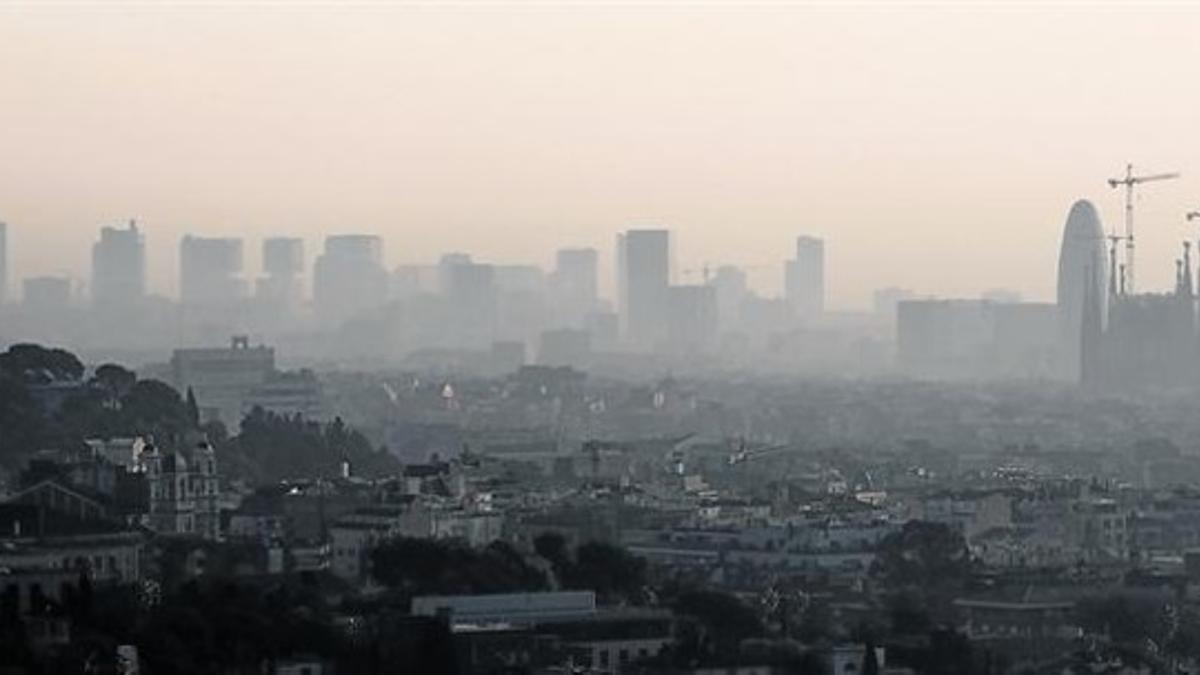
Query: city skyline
x,y
917,168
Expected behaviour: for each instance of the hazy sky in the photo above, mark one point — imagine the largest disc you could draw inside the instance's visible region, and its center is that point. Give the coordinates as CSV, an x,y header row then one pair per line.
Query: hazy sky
x,y
936,147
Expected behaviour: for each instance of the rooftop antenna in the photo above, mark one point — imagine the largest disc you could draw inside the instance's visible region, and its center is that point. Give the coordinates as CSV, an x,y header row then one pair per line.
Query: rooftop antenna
x,y
1129,181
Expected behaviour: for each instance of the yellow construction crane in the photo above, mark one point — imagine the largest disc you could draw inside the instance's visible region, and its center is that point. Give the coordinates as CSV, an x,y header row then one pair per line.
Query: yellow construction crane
x,y
1129,181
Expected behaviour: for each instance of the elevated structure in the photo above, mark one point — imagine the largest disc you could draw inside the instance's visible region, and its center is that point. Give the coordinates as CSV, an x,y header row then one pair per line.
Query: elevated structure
x,y
210,271
1129,182
1082,274
804,278
119,267
643,277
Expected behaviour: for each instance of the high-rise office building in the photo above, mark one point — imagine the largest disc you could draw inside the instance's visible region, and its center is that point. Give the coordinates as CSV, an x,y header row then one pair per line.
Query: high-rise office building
x,y
349,277
573,285
210,271
1082,275
283,270
804,278
3,262
731,290
643,276
119,267
471,295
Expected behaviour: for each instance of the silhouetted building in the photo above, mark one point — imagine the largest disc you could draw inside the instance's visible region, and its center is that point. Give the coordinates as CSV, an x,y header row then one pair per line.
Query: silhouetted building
x,y
730,285
210,271
976,338
471,295
46,294
283,271
1080,264
412,280
884,302
222,378
644,274
119,267
804,277
943,337
1150,341
349,278
573,285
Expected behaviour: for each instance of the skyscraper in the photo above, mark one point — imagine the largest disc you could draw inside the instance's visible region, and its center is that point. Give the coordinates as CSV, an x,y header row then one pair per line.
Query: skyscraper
x,y
118,267
471,295
349,277
730,284
1082,273
804,277
573,285
644,275
210,271
283,269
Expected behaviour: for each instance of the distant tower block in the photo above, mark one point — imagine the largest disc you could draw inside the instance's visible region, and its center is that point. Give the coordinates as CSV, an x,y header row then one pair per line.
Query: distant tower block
x,y
1081,262
804,277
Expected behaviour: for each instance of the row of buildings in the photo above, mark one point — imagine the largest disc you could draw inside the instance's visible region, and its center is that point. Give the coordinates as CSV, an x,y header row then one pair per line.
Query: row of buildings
x,y
456,302
1095,332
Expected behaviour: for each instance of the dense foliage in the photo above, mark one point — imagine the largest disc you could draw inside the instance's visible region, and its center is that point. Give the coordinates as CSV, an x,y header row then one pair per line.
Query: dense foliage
x,y
114,402
439,567
612,572
925,555
46,403
273,447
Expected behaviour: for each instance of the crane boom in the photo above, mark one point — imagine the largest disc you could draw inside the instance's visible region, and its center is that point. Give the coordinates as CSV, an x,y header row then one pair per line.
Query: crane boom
x,y
1137,180
1129,181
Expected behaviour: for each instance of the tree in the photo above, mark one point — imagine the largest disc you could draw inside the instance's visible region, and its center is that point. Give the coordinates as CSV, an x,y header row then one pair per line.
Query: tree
x,y
155,407
553,547
612,572
35,364
193,409
115,381
922,554
272,447
426,566
724,621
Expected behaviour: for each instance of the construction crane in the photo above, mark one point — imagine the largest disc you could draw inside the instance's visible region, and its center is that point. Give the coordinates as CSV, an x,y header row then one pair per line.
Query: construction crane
x,y
1129,181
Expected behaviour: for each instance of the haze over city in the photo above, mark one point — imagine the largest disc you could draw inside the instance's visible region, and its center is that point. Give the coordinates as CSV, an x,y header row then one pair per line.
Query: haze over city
x,y
659,337
933,147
